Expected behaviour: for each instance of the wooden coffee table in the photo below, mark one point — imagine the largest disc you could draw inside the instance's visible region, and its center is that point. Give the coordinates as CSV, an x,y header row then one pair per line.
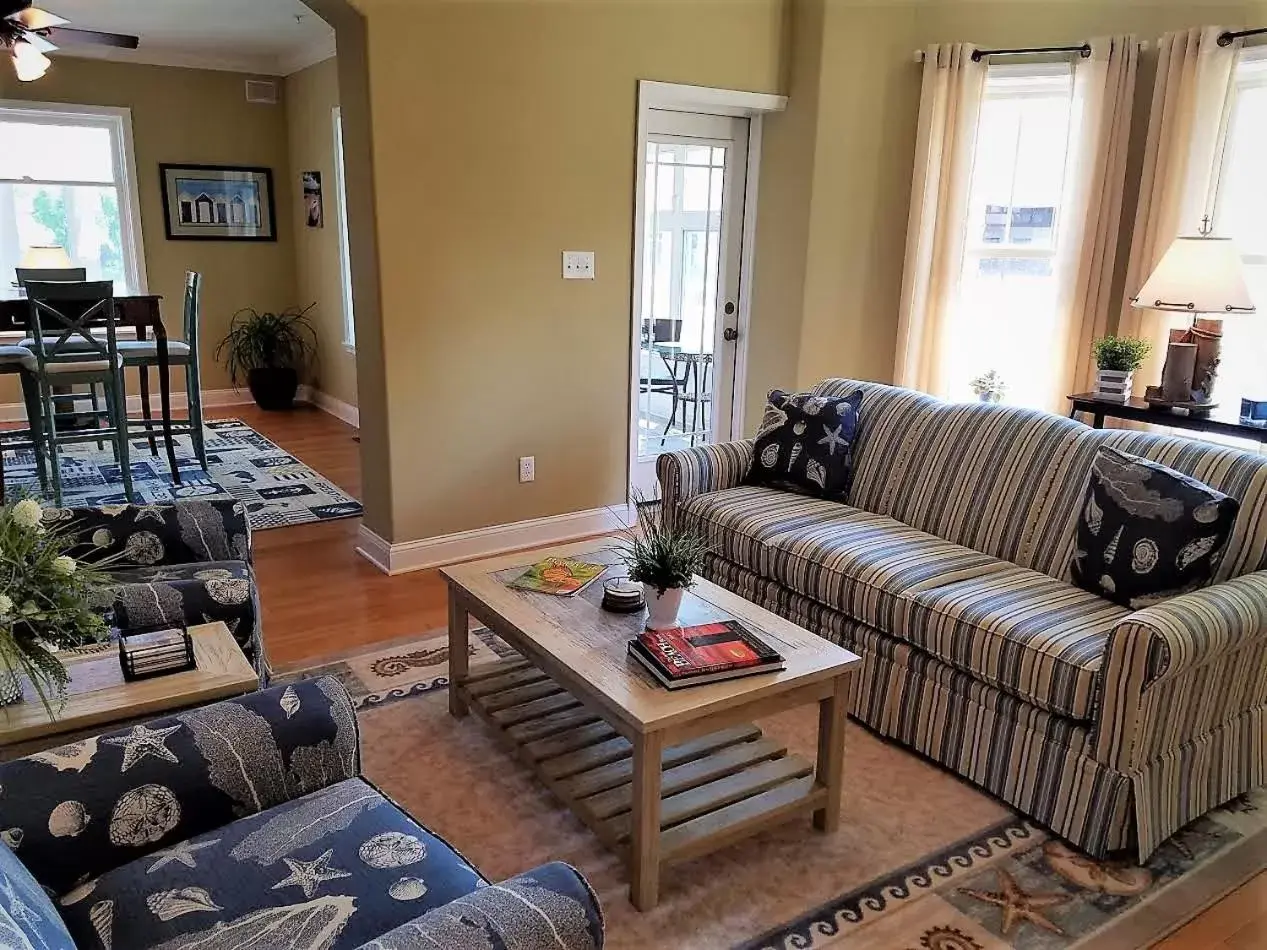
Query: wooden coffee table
x,y
660,776
100,699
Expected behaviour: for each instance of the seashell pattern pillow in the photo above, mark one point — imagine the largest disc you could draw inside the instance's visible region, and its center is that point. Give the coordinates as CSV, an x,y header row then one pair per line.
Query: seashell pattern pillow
x,y
805,444
1146,532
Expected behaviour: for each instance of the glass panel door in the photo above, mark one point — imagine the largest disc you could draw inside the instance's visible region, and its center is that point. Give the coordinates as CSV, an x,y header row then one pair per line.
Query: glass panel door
x,y
694,177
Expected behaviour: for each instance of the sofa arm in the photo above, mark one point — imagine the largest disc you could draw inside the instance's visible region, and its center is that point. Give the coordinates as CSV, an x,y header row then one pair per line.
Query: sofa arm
x,y
551,906
183,532
1178,669
77,811
706,468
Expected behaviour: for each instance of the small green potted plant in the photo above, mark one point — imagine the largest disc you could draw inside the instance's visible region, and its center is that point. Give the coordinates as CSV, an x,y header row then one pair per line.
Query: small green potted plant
x,y
664,559
47,602
1116,359
989,387
268,351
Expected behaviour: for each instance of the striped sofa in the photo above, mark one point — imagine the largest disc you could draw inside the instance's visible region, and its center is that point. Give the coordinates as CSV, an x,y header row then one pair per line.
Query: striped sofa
x,y
949,572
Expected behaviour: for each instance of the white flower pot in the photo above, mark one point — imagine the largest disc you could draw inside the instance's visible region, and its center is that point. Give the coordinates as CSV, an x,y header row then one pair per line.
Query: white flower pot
x,y
1114,384
662,609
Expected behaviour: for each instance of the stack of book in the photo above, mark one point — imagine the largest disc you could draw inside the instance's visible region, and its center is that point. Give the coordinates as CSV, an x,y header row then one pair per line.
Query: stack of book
x,y
705,653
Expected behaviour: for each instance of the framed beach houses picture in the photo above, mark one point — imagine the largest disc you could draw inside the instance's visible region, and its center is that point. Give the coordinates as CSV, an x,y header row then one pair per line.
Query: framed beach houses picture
x,y
218,203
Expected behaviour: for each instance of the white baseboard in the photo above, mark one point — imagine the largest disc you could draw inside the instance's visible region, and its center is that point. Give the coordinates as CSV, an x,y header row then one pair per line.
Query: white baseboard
x,y
343,411
485,542
211,399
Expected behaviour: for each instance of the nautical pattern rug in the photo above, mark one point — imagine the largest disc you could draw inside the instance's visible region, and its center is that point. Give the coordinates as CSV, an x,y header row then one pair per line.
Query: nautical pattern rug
x,y
278,489
922,860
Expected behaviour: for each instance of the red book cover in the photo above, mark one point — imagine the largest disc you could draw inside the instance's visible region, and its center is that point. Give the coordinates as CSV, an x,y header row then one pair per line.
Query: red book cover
x,y
705,648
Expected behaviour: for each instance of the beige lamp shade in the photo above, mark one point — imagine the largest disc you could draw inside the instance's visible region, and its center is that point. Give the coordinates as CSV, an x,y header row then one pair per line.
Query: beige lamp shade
x,y
1198,275
46,258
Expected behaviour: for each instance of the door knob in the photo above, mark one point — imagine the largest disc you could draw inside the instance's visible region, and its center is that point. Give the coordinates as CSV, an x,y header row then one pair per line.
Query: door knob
x,y
730,334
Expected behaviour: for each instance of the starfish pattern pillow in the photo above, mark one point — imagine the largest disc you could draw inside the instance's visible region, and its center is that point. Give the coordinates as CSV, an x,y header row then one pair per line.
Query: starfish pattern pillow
x,y
1146,532
805,444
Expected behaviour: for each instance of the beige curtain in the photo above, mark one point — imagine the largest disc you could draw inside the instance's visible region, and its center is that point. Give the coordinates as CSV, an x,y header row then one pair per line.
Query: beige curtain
x,y
950,104
1186,130
1103,99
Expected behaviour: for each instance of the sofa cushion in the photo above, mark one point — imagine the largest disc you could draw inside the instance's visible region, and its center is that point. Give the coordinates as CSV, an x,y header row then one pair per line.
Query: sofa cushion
x,y
1036,637
334,869
27,917
1022,631
805,444
1148,532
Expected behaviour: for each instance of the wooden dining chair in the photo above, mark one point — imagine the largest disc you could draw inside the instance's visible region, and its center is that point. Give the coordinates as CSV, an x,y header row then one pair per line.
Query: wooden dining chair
x,y
143,354
67,352
19,361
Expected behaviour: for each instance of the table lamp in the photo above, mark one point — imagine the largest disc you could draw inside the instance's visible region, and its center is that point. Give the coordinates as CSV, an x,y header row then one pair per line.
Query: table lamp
x,y
46,257
1202,275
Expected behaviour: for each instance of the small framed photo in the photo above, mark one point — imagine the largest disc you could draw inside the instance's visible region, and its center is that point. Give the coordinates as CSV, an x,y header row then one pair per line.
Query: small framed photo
x,y
314,212
218,203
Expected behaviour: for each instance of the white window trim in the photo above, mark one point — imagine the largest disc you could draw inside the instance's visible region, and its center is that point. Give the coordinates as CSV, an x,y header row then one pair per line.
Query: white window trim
x,y
345,245
119,121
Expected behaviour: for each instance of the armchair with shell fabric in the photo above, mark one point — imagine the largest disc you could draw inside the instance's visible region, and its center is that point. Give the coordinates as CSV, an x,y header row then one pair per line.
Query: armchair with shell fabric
x,y
176,564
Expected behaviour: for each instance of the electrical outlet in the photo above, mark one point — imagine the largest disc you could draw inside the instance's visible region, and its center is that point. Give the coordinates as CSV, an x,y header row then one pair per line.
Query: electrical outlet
x,y
578,265
527,469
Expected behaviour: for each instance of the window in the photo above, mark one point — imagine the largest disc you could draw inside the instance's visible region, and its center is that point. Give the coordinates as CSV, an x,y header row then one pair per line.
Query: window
x,y
1004,318
1241,214
345,255
67,178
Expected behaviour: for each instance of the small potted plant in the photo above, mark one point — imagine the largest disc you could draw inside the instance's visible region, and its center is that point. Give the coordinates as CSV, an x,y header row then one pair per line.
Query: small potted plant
x,y
46,602
664,560
1116,359
268,351
989,387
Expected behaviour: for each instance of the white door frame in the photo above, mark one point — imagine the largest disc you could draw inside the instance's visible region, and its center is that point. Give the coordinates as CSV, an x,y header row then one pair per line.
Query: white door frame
x,y
677,97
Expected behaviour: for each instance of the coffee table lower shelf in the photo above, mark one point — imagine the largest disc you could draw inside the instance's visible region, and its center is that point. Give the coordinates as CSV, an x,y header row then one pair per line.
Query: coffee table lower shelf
x,y
714,790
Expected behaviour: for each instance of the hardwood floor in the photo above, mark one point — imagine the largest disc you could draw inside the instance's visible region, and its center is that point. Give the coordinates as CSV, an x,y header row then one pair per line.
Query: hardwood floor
x,y
321,598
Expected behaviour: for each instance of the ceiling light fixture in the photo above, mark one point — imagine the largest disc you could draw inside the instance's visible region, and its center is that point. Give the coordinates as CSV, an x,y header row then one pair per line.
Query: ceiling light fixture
x,y
28,62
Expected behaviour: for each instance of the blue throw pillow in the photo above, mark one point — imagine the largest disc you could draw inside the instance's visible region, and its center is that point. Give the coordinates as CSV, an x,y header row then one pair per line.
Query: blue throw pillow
x,y
1147,532
27,916
805,444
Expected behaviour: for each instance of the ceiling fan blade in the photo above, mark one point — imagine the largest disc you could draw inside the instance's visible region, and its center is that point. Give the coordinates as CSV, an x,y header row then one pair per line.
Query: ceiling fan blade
x,y
41,44
33,18
68,37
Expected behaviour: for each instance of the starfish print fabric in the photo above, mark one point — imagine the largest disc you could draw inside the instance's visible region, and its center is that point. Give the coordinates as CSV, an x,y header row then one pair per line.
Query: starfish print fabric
x,y
1019,907
145,793
805,444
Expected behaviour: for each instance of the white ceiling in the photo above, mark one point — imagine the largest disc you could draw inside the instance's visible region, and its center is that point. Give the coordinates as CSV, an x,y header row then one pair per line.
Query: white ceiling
x,y
274,37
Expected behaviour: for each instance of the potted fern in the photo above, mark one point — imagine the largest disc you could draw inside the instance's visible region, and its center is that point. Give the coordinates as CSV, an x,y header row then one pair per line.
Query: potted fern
x,y
46,602
664,559
1116,359
268,351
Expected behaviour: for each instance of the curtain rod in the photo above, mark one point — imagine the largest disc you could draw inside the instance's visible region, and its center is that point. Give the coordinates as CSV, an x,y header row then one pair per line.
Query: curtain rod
x,y
1084,51
1226,39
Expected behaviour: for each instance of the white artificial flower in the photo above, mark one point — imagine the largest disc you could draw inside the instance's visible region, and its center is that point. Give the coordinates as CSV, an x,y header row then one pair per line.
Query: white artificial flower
x,y
6,604
64,565
27,513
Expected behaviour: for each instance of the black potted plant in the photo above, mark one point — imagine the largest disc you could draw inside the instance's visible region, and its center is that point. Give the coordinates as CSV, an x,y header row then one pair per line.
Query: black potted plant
x,y
268,351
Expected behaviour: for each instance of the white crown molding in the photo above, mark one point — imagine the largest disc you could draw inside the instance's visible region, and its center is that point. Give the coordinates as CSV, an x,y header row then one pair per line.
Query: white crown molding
x,y
265,65
297,60
485,542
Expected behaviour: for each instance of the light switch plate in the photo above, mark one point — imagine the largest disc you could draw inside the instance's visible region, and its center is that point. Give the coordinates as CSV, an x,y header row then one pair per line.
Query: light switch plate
x,y
578,265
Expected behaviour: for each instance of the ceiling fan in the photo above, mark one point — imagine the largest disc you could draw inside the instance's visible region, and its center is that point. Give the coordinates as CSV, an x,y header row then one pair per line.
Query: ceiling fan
x,y
28,32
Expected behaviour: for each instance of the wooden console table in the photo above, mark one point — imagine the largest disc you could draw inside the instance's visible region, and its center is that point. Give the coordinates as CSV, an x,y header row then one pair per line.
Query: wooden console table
x,y
1222,421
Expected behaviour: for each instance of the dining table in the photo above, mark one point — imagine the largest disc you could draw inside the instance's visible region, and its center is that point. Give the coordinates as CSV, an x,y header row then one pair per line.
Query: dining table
x,y
140,313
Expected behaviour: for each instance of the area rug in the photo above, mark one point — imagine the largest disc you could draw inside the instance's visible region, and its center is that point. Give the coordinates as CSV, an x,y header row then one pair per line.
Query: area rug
x,y
922,860
278,489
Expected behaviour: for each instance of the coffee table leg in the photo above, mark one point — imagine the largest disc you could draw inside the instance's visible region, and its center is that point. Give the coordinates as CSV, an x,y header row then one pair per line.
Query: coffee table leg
x,y
829,771
459,661
644,846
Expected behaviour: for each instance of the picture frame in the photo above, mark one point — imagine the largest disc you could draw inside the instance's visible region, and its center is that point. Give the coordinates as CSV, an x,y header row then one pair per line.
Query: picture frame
x,y
218,202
